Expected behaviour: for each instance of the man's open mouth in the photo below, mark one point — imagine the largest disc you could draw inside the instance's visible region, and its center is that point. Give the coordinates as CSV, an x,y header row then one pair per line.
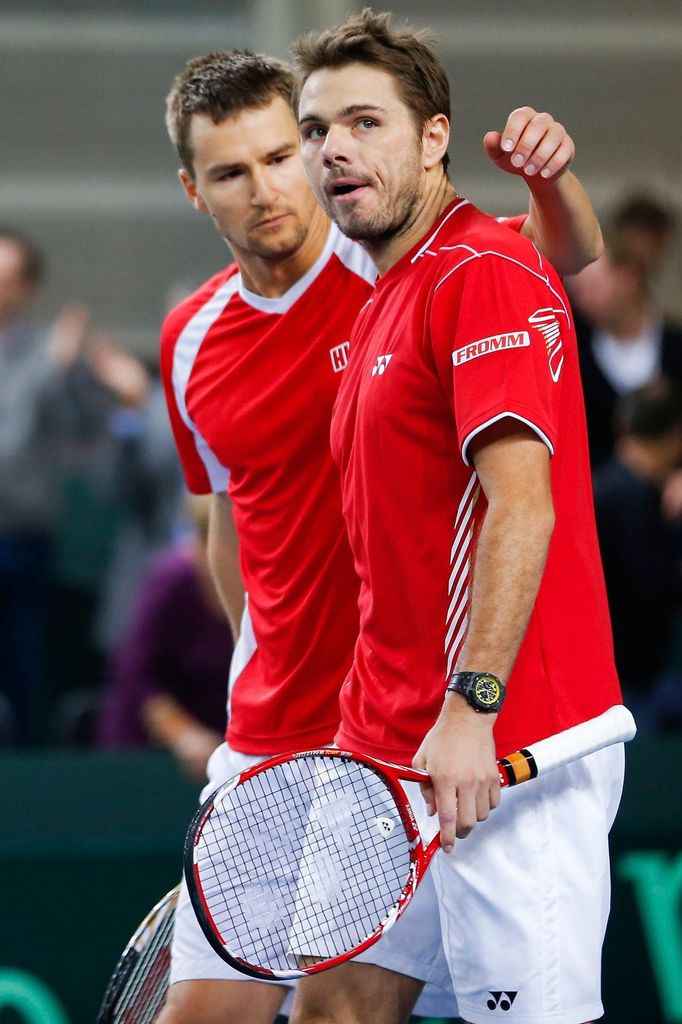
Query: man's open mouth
x,y
344,188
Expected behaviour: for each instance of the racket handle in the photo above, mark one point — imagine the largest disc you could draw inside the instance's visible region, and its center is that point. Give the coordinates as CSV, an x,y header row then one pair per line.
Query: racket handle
x,y
613,726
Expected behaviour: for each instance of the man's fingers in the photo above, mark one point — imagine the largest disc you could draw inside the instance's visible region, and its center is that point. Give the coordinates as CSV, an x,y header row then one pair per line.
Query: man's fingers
x,y
516,124
535,143
492,143
558,160
540,140
447,805
467,811
428,796
553,152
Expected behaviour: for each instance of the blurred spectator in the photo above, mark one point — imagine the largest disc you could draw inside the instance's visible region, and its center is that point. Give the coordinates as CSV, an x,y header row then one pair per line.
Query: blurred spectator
x,y
642,551
646,227
141,477
623,340
169,673
49,402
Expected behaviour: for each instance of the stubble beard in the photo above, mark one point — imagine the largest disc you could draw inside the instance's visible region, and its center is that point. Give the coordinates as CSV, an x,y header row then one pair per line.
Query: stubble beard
x,y
390,220
278,249
396,213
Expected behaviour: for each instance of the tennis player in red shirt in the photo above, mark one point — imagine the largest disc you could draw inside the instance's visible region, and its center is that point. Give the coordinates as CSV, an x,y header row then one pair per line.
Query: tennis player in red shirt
x,y
459,433
251,363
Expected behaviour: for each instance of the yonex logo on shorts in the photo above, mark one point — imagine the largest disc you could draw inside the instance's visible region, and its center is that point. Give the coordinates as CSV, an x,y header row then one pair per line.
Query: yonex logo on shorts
x,y
381,365
501,1000
518,339
339,356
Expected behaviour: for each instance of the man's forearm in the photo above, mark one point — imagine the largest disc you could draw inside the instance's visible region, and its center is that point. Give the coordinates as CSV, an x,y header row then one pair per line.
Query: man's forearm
x,y
223,559
510,559
562,223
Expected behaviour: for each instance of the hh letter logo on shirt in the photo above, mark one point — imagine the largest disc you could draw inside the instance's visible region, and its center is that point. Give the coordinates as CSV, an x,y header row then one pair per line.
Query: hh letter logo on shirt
x,y
339,356
516,339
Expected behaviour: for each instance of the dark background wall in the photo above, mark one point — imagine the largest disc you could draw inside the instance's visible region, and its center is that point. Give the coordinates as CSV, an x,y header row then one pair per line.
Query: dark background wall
x,y
87,167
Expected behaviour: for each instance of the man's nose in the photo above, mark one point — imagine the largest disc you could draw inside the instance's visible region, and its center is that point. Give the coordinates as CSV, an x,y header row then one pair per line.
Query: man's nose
x,y
263,192
337,147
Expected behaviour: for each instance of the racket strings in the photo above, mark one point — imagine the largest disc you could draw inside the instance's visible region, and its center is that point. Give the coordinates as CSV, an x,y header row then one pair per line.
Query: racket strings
x,y
145,968
302,862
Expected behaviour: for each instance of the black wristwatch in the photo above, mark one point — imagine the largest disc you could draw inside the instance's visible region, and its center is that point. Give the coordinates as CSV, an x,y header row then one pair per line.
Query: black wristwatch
x,y
482,690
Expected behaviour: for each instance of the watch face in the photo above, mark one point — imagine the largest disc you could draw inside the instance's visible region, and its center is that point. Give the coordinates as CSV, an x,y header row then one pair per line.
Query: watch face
x,y
487,691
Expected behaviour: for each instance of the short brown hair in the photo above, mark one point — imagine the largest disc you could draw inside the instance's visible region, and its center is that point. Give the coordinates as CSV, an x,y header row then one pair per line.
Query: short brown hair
x,y
405,54
222,84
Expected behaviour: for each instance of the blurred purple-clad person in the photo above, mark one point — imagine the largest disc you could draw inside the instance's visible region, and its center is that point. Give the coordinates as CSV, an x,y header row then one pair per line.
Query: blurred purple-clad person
x,y
168,675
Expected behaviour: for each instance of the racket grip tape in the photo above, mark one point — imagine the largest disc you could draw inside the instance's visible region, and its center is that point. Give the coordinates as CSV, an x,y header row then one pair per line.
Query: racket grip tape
x,y
613,726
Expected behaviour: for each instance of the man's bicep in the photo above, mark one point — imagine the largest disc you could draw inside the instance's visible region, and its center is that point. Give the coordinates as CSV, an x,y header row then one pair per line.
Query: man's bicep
x,y
222,532
509,459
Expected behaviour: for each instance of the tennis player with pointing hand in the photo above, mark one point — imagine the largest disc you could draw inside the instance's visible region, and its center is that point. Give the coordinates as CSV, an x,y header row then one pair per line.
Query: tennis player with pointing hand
x,y
252,364
460,438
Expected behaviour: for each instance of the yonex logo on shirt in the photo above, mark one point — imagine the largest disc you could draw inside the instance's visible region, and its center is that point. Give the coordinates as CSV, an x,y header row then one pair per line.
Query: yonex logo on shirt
x,y
520,339
339,356
381,365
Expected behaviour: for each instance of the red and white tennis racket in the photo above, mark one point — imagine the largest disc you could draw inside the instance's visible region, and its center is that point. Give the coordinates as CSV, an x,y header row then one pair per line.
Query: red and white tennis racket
x,y
306,859
137,988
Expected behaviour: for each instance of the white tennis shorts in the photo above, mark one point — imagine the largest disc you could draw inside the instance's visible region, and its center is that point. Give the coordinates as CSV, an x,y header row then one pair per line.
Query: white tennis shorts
x,y
412,947
524,899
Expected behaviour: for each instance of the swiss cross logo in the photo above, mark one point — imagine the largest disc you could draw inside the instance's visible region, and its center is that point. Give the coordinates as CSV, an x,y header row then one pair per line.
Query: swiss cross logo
x,y
339,356
501,1001
546,322
484,346
381,365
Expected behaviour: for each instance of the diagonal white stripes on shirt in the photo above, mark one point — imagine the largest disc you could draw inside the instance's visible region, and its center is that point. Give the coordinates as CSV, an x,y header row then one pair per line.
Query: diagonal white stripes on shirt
x,y
459,590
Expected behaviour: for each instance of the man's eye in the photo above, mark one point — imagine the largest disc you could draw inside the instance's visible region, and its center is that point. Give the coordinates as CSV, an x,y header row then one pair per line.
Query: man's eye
x,y
315,133
367,122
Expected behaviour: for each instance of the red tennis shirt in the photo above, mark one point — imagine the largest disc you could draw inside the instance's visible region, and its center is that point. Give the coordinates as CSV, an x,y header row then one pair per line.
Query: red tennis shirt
x,y
250,384
469,327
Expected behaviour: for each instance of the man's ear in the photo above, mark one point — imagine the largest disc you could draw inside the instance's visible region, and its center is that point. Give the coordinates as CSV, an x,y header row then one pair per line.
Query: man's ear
x,y
435,138
189,186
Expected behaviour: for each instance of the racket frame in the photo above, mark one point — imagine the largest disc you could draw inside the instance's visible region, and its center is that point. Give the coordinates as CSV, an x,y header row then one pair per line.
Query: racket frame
x,y
137,945
613,726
